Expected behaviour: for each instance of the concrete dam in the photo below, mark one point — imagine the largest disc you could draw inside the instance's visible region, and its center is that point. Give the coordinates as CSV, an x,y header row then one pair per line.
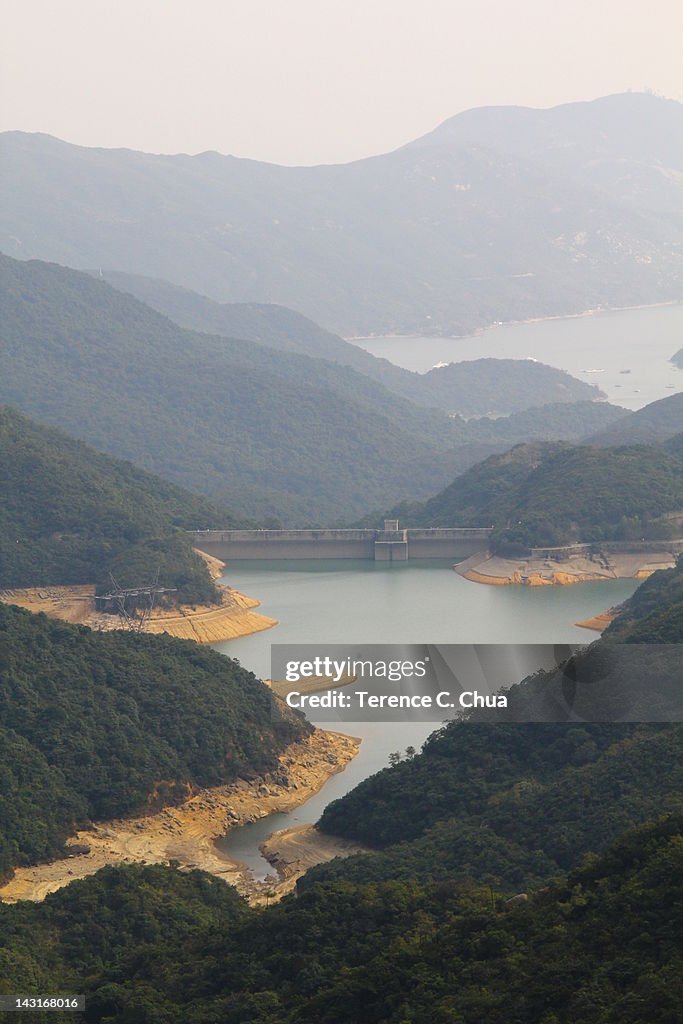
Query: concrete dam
x,y
391,544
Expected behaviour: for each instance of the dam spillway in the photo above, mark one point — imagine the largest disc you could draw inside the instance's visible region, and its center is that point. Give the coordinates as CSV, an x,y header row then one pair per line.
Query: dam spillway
x,y
388,545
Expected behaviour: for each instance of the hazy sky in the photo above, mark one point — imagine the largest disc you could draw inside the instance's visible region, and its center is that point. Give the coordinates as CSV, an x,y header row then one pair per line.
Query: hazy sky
x,y
308,81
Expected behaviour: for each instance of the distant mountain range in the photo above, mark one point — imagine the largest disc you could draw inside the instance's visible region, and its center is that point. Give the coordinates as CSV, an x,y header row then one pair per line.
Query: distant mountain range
x,y
499,214
270,433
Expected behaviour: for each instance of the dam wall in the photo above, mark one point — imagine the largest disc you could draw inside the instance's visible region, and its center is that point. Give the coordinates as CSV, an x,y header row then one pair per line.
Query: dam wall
x,y
389,545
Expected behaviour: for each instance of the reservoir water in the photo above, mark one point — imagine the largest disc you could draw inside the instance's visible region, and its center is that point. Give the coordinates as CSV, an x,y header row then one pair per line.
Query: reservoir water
x,y
639,340
411,602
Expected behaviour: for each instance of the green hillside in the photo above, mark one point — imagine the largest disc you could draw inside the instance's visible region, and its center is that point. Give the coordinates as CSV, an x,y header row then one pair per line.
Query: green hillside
x,y
654,614
675,445
552,494
495,797
272,434
91,722
652,424
475,388
600,946
269,432
69,514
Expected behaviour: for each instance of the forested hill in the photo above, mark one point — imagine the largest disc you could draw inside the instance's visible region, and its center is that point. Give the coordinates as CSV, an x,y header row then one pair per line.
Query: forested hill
x,y
500,214
476,387
494,798
654,423
601,946
654,614
675,445
552,494
69,514
271,433
92,724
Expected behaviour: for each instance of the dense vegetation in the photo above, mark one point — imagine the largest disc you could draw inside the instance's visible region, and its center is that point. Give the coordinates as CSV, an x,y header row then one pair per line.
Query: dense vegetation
x,y
498,387
652,424
93,724
473,388
278,432
271,433
69,514
150,946
675,445
654,614
498,214
515,796
552,494
420,931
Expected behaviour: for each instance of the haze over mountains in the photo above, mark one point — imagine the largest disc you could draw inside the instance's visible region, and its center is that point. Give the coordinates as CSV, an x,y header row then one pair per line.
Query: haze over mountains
x,y
177,356
271,433
473,388
499,214
655,422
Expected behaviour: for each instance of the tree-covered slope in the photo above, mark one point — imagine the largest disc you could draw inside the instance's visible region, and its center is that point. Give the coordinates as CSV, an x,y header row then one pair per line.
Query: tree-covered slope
x,y
675,445
69,514
273,433
92,725
277,432
453,232
472,388
520,795
654,614
601,946
652,424
553,494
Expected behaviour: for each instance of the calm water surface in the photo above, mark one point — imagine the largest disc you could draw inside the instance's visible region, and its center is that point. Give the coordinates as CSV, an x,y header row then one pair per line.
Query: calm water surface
x,y
639,340
365,602
414,602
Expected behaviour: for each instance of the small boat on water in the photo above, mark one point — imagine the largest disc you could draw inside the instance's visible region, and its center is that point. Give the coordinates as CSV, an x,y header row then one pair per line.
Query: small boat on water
x,y
601,370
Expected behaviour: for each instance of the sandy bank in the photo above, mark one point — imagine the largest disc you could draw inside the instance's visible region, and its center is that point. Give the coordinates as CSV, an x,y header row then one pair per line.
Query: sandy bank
x,y
595,311
599,622
232,618
314,684
208,624
544,572
293,851
187,833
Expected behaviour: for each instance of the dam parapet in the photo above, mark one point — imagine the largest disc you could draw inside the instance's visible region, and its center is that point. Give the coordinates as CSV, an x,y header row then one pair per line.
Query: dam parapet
x,y
390,544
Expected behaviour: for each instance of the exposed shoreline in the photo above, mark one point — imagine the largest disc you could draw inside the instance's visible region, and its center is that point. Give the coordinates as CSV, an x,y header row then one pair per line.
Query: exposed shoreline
x,y
187,833
495,571
599,622
352,338
293,851
206,624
